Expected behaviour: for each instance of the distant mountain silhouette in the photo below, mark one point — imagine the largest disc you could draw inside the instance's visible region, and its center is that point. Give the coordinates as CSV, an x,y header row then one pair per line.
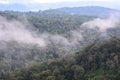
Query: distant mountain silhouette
x,y
87,10
53,8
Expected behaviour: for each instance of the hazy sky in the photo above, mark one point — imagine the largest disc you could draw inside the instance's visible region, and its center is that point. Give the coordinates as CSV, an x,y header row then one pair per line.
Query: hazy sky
x,y
35,5
46,1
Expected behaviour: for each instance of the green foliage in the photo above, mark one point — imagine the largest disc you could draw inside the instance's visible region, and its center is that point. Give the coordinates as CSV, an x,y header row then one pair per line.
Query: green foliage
x,y
98,61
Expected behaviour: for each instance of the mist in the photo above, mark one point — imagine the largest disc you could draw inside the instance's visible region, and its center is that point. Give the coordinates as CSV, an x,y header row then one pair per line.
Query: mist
x,y
21,46
20,32
103,23
16,31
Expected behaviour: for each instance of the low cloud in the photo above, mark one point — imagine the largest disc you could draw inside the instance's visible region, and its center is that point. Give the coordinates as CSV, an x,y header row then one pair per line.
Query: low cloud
x,y
16,31
102,23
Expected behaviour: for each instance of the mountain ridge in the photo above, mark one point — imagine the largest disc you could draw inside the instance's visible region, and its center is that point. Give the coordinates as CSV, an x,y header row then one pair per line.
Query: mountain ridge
x,y
86,10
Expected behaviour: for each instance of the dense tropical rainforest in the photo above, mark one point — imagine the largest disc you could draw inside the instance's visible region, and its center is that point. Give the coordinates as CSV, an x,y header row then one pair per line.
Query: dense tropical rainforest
x,y
98,61
55,45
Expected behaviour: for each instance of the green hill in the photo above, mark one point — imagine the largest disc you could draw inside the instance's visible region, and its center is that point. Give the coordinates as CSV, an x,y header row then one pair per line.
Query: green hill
x,y
95,62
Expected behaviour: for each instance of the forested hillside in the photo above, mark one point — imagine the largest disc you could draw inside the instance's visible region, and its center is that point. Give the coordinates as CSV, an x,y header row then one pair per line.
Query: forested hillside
x,y
95,62
53,45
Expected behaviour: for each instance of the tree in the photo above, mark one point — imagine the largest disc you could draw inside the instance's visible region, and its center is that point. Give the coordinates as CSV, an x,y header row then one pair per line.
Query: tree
x,y
78,72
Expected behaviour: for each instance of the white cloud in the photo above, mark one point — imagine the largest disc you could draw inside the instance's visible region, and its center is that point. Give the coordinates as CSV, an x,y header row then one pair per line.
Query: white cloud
x,y
4,1
39,1
103,24
45,1
53,1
